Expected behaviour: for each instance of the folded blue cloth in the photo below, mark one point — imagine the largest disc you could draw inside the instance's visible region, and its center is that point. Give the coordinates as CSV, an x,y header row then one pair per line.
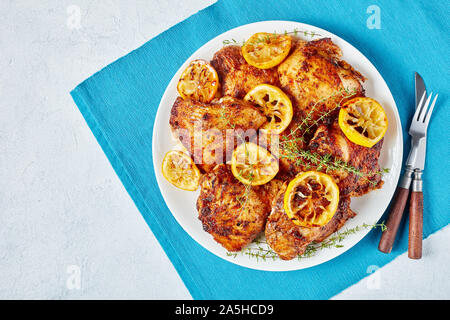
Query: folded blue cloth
x,y
119,104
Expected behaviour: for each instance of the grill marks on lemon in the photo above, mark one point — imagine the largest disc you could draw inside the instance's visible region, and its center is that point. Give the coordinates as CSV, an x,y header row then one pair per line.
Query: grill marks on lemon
x,y
266,50
275,105
253,165
180,170
363,121
311,199
199,81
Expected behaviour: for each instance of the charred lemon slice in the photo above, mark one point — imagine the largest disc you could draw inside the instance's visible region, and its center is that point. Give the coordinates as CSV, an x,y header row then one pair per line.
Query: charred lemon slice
x,y
266,50
363,121
253,165
275,105
198,82
311,199
180,170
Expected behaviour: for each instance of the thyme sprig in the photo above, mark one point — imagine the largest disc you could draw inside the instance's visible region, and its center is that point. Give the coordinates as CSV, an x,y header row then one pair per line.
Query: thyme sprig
x,y
291,150
243,199
334,240
308,123
262,251
296,32
327,162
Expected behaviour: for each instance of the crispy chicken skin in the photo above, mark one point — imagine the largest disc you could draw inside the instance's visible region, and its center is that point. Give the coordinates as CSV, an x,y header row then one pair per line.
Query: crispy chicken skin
x,y
316,80
209,124
332,141
314,72
232,223
236,76
289,240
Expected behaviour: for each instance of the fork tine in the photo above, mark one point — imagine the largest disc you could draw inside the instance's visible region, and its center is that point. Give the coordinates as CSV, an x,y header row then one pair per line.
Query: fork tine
x,y
424,109
427,118
419,107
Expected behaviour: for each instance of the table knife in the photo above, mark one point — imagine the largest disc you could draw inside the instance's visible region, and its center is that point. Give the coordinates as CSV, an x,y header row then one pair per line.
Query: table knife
x,y
401,196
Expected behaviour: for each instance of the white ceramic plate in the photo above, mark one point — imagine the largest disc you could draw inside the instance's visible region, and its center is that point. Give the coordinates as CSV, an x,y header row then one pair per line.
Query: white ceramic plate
x,y
370,207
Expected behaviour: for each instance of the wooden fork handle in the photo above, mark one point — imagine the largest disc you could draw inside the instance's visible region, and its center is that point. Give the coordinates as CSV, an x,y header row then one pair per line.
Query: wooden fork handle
x,y
416,218
393,222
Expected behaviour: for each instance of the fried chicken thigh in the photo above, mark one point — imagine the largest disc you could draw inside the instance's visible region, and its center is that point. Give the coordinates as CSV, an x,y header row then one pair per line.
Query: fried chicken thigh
x,y
289,240
330,140
236,76
231,212
314,73
202,128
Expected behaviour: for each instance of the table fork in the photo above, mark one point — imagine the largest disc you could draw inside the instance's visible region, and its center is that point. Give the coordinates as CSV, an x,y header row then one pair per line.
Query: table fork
x,y
414,167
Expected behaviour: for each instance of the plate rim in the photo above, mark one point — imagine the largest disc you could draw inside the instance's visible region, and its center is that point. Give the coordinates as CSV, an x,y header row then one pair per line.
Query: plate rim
x,y
363,233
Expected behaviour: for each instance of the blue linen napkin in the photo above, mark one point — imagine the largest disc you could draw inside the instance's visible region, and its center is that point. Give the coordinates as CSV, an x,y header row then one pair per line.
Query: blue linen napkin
x,y
119,104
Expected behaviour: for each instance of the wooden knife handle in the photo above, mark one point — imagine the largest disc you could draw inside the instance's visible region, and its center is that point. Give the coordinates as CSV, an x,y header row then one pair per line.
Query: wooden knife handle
x,y
395,217
415,225
416,217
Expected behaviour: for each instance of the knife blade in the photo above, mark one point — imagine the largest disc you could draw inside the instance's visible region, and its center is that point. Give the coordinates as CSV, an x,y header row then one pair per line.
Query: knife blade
x,y
416,157
420,88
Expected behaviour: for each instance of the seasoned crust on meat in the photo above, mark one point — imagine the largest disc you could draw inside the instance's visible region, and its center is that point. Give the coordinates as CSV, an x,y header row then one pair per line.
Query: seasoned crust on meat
x,y
330,140
317,81
289,240
231,212
212,121
314,72
236,76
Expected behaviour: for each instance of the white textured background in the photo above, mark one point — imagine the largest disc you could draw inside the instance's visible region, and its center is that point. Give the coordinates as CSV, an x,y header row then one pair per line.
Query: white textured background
x,y
61,203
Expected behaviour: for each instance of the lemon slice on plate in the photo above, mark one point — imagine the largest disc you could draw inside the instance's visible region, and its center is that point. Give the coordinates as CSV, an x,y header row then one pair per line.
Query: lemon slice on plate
x,y
363,121
266,50
275,105
180,170
199,81
311,199
253,165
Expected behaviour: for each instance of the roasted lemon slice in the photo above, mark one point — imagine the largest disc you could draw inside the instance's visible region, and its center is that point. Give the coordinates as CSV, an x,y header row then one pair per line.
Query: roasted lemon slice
x,y
275,105
266,50
253,165
311,199
180,170
198,82
363,121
